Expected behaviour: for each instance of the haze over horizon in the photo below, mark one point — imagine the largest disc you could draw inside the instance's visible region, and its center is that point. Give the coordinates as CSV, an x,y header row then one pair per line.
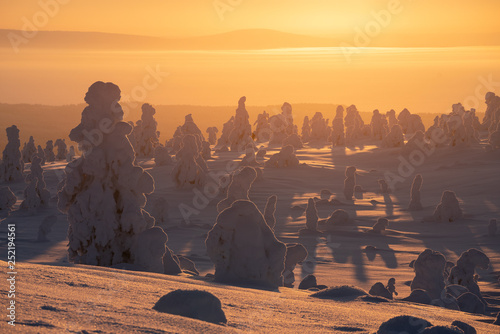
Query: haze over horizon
x,y
333,52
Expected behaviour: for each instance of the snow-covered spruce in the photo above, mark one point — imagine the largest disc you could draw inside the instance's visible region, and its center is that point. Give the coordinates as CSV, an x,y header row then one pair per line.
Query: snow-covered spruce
x,y
416,142
12,165
190,169
306,130
104,192
28,150
282,125
263,130
337,136
244,249
319,129
7,199
295,253
41,154
250,159
448,210
206,152
378,125
62,149
242,180
285,158
415,204
492,114
212,135
463,273
49,151
353,124
391,118
349,182
149,137
395,138
227,128
71,154
241,134
311,216
429,268
36,193
494,138
293,140
162,156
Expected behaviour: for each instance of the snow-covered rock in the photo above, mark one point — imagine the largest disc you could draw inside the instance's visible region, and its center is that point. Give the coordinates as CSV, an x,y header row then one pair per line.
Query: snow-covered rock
x,y
196,304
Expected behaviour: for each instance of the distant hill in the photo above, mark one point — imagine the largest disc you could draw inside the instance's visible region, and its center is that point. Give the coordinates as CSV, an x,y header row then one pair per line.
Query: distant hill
x,y
235,40
249,39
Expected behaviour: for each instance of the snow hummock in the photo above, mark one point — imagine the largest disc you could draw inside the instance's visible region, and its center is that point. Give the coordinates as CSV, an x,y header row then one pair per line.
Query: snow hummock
x,y
196,304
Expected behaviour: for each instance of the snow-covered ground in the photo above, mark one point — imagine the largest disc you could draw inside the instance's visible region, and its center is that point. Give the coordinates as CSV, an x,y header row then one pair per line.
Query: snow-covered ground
x,y
55,296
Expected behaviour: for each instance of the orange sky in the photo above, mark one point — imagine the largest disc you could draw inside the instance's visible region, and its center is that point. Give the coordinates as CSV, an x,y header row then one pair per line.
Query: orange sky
x,y
198,17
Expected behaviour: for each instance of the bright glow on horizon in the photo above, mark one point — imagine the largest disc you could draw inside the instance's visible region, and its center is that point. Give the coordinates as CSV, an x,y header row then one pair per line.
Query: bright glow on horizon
x,y
317,17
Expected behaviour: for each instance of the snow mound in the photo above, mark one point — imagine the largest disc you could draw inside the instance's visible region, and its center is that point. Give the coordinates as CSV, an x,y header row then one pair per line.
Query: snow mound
x,y
403,324
344,292
195,304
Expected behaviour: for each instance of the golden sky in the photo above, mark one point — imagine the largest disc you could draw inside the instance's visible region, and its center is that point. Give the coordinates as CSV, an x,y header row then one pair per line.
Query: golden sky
x,y
199,17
